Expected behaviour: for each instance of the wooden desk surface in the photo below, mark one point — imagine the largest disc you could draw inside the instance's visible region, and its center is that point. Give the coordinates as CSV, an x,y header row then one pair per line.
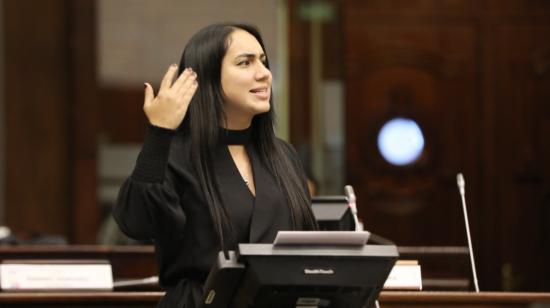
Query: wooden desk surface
x,y
461,298
387,299
73,251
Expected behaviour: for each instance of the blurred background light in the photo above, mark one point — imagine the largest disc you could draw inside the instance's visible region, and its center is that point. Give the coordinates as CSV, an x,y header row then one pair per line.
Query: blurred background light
x,y
400,141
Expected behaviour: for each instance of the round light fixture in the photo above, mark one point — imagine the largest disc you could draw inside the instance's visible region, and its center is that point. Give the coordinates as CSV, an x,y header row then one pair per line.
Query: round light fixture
x,y
400,141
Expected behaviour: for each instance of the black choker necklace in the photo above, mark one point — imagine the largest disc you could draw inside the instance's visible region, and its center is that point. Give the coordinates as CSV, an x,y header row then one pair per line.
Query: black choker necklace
x,y
234,137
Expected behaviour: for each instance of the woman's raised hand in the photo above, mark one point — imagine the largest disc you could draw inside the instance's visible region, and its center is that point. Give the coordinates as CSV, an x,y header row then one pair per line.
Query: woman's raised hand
x,y
169,107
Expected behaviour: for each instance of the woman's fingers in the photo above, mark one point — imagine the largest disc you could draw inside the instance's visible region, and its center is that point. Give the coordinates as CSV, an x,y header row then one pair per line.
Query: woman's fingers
x,y
170,105
188,95
149,95
183,78
166,82
187,84
181,84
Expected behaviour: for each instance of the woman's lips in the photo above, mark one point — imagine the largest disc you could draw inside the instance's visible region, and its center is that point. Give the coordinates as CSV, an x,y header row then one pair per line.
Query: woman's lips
x,y
261,93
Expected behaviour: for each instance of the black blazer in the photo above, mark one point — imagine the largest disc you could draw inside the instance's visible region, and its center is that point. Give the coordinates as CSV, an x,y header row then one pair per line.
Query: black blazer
x,y
162,200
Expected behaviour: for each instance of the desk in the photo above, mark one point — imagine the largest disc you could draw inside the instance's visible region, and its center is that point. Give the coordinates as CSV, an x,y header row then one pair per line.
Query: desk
x,y
388,299
443,268
461,299
80,299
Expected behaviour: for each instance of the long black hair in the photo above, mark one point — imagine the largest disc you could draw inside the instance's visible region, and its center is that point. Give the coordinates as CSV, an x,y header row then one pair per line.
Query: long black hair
x,y
204,53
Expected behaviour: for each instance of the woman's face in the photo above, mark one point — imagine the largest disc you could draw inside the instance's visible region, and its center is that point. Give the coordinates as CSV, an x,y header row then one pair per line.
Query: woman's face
x,y
245,80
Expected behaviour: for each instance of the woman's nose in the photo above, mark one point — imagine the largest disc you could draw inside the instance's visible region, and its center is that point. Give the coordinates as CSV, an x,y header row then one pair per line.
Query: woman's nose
x,y
262,72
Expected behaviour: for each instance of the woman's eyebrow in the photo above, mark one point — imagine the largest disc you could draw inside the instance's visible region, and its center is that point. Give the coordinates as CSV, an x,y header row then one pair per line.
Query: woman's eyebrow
x,y
250,55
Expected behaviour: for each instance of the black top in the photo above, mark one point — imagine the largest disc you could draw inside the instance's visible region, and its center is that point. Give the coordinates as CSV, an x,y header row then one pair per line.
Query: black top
x,y
162,200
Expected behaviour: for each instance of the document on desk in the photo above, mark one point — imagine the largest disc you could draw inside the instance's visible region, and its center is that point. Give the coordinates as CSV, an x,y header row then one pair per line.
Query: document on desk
x,y
405,275
48,275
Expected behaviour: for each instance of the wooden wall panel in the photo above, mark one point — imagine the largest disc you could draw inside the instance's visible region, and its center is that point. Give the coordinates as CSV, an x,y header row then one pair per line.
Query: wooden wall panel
x,y
421,74
51,118
122,119
84,210
474,75
36,112
299,69
522,64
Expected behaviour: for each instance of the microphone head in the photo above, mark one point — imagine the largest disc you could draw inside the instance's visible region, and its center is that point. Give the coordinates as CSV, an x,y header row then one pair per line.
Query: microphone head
x,y
460,182
350,194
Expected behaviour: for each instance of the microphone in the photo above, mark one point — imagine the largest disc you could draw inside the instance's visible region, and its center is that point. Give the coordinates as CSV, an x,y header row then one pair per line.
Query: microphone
x,y
350,196
352,199
462,190
350,193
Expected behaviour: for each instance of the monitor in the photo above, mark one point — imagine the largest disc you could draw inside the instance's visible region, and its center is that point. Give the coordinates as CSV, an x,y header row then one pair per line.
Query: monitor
x,y
332,213
298,276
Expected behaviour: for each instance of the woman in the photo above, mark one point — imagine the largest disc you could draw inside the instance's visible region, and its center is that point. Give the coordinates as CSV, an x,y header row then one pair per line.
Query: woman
x,y
211,173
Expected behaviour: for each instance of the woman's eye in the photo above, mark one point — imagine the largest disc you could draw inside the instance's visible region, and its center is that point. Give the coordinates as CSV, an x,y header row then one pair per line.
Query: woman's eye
x,y
245,62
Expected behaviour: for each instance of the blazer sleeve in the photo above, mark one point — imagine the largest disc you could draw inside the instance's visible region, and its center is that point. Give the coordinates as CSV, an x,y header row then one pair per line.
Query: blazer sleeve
x,y
148,202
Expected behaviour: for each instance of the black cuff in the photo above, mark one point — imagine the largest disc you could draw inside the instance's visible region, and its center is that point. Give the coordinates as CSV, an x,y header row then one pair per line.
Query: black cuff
x,y
153,158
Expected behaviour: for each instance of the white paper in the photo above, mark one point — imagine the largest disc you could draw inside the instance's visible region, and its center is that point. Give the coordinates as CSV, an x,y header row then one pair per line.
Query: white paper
x,y
27,277
404,277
